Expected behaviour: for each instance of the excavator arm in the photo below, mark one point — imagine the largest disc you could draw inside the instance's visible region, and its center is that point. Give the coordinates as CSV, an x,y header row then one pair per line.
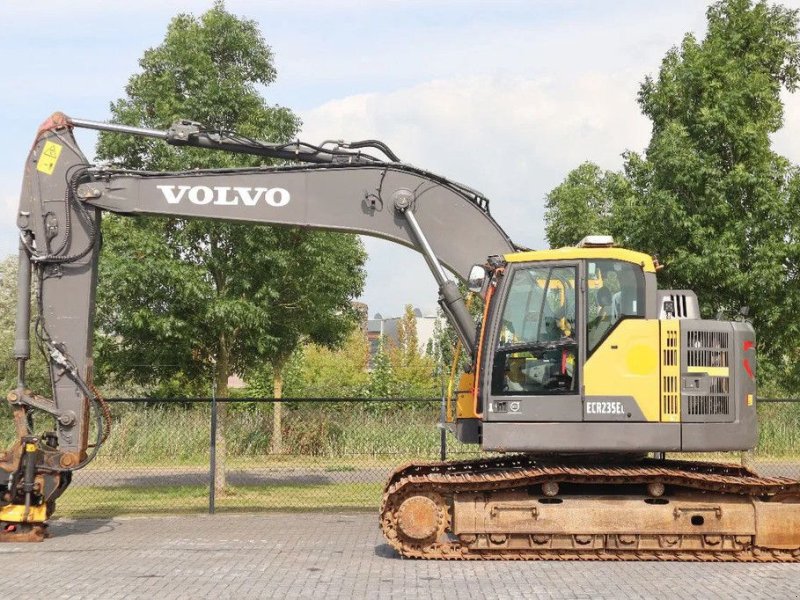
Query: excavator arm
x,y
333,187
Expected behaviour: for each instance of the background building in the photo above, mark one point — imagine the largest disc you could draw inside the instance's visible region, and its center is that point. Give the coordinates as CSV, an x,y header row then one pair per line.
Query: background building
x,y
378,326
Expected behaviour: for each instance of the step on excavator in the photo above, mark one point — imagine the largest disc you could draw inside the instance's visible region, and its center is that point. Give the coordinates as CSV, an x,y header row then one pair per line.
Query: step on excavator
x,y
583,374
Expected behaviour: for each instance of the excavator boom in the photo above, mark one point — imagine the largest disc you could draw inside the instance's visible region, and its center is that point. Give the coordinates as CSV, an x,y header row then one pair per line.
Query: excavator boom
x,y
63,198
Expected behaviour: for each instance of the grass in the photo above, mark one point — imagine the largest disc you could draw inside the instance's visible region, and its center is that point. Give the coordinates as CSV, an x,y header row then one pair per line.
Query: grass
x,y
340,469
181,499
779,433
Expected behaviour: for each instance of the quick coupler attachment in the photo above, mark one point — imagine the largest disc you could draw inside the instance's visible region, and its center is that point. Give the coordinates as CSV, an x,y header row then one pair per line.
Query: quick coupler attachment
x,y
23,516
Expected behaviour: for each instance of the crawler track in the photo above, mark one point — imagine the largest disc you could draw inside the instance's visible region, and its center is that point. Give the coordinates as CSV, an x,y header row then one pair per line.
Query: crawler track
x,y
418,508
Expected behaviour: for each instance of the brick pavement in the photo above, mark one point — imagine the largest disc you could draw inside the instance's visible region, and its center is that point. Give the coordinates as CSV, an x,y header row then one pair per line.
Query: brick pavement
x,y
323,555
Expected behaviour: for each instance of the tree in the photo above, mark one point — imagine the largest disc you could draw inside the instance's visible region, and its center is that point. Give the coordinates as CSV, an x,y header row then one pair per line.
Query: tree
x,y
413,373
319,274
586,203
445,345
381,379
709,196
185,298
315,370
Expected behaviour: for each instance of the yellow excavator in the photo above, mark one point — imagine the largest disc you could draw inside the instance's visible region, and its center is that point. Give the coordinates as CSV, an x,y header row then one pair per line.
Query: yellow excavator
x,y
583,374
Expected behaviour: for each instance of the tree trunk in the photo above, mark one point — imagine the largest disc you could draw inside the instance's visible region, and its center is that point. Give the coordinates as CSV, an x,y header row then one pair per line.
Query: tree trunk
x,y
221,391
277,410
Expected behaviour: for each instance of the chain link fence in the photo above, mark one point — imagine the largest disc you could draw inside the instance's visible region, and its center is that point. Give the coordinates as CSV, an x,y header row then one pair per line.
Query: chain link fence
x,y
778,449
319,455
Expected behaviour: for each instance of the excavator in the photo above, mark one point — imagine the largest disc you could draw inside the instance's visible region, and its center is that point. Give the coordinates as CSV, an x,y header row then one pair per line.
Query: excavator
x,y
582,374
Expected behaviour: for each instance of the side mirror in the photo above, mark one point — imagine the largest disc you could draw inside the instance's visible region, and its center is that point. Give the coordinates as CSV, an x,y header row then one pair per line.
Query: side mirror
x,y
477,274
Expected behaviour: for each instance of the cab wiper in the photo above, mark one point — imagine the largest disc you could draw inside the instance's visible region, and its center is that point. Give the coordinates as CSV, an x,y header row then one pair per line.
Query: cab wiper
x,y
550,345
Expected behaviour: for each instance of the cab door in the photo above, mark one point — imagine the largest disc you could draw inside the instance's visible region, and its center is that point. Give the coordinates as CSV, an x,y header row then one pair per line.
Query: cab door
x,y
532,364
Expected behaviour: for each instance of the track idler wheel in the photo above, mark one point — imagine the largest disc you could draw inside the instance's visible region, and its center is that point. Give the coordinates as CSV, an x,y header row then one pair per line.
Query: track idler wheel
x,y
421,519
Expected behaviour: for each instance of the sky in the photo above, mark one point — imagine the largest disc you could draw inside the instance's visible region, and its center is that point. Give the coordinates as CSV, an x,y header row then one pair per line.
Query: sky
x,y
506,97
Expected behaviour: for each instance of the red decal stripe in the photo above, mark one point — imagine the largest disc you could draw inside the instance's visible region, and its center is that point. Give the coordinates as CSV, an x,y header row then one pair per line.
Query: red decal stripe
x,y
748,368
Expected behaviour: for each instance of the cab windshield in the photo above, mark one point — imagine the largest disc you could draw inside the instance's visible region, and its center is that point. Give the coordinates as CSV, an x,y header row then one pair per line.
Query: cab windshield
x,y
536,349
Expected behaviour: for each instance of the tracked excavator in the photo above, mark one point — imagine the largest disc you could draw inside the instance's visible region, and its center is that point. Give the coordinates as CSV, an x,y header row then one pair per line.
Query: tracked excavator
x,y
583,374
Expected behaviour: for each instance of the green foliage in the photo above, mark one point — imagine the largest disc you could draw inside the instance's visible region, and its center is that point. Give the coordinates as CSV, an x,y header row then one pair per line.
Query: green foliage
x,y
584,204
208,69
179,435
442,347
779,429
337,373
316,276
381,381
709,197
179,299
399,370
315,371
413,373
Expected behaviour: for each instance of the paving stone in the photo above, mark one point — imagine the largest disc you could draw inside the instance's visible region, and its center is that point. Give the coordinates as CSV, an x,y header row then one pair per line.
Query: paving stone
x,y
316,555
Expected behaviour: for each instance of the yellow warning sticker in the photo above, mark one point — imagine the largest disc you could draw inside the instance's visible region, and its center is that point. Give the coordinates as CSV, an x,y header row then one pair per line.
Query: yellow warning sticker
x,y
749,399
49,158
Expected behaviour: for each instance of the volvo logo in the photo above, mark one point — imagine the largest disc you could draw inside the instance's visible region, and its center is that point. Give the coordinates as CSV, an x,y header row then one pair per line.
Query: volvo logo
x,y
225,195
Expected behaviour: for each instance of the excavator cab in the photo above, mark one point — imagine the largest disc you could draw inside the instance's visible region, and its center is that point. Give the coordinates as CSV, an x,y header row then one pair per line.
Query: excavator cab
x,y
577,353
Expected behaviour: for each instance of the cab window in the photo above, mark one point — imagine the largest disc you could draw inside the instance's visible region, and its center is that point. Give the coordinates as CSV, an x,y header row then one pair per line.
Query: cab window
x,y
536,349
615,291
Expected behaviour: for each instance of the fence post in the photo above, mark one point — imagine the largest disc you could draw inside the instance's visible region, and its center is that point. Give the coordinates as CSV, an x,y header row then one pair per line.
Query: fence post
x,y
213,448
442,430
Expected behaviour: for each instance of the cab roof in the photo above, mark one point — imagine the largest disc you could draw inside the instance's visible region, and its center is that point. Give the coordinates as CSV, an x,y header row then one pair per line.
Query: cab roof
x,y
574,253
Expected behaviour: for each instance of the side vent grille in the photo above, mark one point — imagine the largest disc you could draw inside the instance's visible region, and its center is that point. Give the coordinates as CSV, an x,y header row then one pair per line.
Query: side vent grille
x,y
706,395
707,349
707,405
670,371
682,304
717,402
669,395
670,350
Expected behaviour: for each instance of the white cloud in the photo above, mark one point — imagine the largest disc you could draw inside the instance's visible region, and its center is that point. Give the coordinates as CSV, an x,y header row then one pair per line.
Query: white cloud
x,y
514,139
8,208
8,219
787,141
